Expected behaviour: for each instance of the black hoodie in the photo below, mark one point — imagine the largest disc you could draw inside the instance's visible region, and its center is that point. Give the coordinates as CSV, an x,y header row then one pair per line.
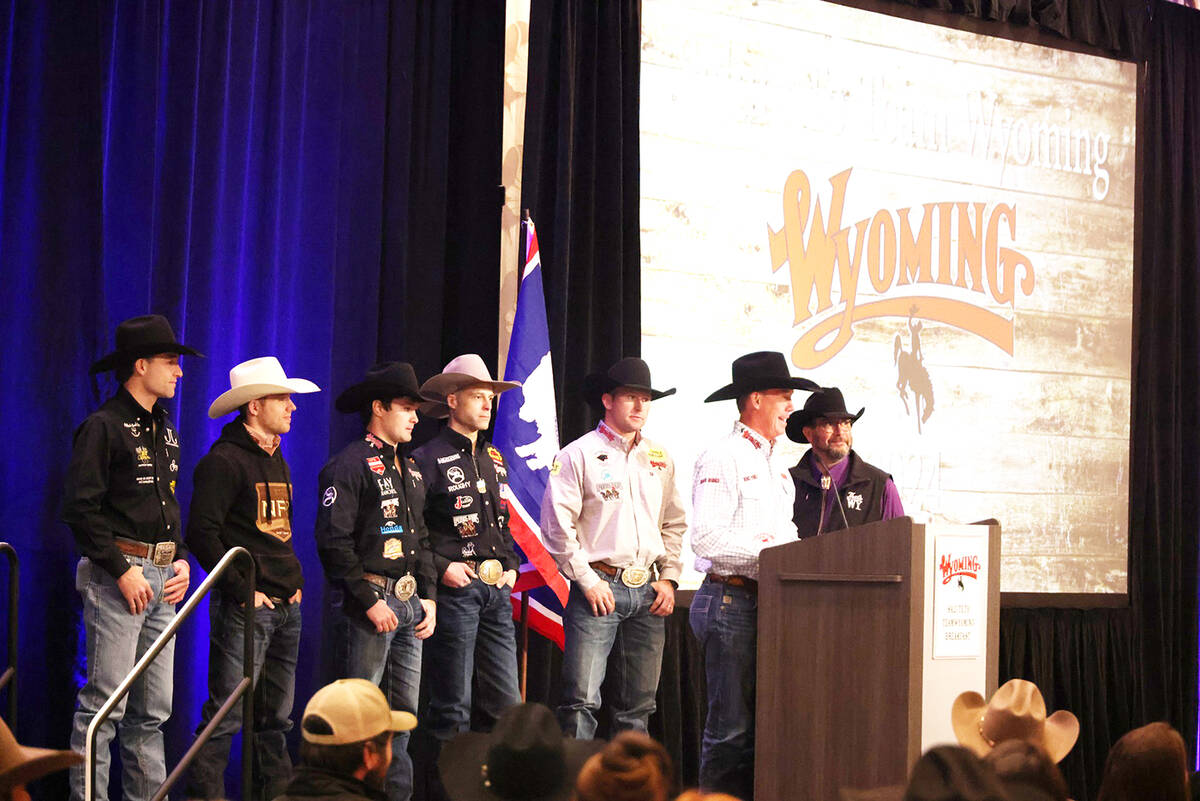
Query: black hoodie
x,y
243,496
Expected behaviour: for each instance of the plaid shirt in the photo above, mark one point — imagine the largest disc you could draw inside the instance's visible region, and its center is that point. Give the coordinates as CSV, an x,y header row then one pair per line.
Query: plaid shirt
x,y
742,499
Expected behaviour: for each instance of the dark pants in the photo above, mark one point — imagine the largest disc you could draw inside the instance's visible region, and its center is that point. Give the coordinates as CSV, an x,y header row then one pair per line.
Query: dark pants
x,y
725,620
276,645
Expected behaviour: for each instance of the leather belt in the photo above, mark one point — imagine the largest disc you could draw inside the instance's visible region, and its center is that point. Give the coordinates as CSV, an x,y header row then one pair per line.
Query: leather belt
x,y
403,588
160,553
735,581
633,577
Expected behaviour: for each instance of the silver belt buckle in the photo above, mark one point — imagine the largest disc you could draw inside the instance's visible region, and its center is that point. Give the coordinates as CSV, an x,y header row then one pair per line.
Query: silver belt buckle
x,y
164,553
634,577
406,587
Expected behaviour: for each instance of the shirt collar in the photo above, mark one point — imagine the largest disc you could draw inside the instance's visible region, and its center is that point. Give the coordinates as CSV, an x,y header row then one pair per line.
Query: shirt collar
x,y
378,444
757,440
268,445
460,441
136,409
615,440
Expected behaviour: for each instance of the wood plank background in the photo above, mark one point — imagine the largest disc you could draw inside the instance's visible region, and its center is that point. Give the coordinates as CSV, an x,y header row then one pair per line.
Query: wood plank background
x,y
737,95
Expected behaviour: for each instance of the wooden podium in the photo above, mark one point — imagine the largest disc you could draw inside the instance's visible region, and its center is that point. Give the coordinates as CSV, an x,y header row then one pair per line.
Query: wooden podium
x,y
865,637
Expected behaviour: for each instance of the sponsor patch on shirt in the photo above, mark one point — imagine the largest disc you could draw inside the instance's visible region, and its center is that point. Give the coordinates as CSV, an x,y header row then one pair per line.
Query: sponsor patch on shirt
x,y
143,453
174,466
393,548
145,479
555,468
463,502
656,453
386,487
172,486
455,475
657,465
751,477
467,525
391,530
376,465
454,457
169,438
709,480
134,429
415,471
497,458
329,497
468,550
456,487
609,491
390,508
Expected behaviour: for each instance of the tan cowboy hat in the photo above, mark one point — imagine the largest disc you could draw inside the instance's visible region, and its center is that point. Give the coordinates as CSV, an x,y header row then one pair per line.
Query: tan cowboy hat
x,y
20,764
463,371
257,378
1016,711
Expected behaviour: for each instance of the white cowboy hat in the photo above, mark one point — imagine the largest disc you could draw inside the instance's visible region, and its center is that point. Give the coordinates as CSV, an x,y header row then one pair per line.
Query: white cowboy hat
x,y
257,378
467,370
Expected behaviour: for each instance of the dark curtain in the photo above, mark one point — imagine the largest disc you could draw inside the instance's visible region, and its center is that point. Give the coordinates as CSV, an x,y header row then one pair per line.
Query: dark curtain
x,y
580,184
313,180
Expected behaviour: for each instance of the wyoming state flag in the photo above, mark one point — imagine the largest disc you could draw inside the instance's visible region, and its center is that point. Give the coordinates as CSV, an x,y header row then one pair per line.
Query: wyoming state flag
x,y
527,433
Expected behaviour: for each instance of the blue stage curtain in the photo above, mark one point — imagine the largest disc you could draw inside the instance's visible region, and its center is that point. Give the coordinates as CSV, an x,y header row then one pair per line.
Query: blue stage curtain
x,y
311,180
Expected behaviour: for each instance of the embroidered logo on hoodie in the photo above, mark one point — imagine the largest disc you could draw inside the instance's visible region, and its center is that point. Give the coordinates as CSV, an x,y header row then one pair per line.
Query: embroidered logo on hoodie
x,y
274,513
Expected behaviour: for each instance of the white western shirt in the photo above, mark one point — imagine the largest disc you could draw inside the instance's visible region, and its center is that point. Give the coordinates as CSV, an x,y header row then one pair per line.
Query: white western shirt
x,y
609,500
742,499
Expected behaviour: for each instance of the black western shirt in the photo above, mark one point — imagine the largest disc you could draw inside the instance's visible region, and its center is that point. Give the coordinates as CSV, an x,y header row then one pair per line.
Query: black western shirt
x,y
370,520
464,511
121,481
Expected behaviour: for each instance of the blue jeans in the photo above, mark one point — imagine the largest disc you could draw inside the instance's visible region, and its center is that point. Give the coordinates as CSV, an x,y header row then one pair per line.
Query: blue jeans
x,y
276,646
393,661
725,621
474,630
634,635
116,640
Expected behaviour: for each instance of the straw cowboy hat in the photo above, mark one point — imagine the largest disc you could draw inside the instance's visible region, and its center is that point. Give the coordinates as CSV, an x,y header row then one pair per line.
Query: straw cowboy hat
x,y
463,371
385,379
755,372
21,764
139,337
524,757
1016,711
257,378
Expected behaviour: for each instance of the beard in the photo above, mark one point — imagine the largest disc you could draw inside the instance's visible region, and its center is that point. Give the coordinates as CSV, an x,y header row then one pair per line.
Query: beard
x,y
376,777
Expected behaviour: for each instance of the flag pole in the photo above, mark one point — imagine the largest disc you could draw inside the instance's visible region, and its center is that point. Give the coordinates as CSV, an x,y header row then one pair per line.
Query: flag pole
x,y
523,667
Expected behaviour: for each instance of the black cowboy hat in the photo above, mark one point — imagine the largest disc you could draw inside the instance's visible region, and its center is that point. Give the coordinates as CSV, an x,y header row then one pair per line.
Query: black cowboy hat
x,y
754,372
139,337
630,372
385,379
524,757
826,403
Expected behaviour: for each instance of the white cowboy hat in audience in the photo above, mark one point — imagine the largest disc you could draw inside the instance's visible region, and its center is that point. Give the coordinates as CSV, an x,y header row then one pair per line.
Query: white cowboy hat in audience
x,y
1016,711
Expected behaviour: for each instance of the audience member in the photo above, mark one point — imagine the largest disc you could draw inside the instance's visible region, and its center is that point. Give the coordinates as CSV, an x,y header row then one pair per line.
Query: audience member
x,y
1027,772
347,743
633,767
696,795
951,773
524,757
1147,763
21,764
1016,711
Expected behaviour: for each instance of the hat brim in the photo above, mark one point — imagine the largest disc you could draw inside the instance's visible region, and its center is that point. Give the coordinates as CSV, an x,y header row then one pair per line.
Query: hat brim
x,y
355,398
739,388
798,420
231,399
110,362
461,758
1059,734
33,763
596,384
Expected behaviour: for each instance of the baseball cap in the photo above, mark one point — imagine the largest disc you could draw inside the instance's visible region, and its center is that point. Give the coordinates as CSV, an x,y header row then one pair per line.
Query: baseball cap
x,y
354,710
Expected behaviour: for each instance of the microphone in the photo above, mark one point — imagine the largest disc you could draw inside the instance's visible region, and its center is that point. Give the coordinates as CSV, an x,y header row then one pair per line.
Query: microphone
x,y
826,484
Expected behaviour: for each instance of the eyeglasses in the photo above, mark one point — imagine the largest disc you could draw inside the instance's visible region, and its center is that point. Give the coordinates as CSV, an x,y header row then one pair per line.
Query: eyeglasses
x,y
828,425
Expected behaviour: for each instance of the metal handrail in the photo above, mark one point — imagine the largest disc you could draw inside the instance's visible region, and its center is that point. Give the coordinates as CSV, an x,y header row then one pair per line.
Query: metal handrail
x,y
242,690
9,677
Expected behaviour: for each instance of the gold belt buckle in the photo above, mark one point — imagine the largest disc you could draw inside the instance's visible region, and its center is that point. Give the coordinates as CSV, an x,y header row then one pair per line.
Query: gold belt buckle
x,y
634,577
490,572
406,587
164,553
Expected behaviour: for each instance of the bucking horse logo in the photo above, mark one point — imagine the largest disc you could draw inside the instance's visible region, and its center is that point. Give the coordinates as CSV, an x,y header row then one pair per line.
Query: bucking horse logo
x,y
911,374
